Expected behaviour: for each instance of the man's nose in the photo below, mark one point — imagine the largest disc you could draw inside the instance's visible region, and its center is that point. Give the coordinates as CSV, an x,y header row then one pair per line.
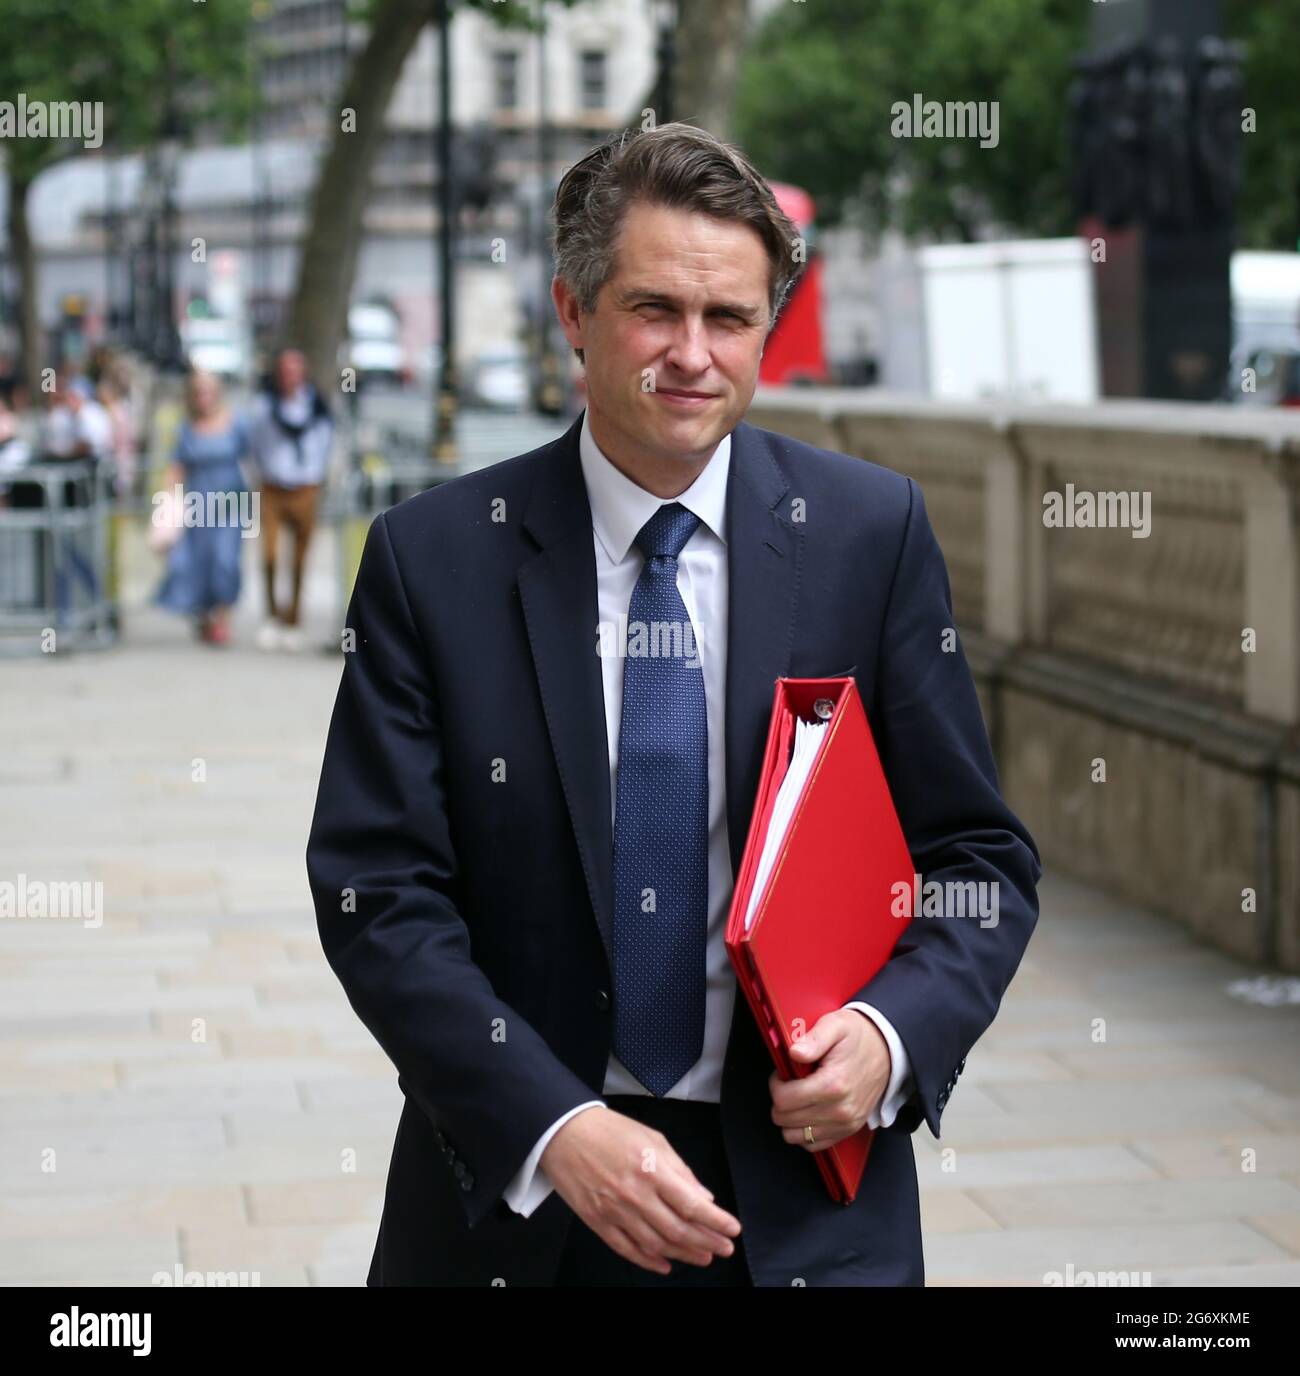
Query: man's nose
x,y
689,351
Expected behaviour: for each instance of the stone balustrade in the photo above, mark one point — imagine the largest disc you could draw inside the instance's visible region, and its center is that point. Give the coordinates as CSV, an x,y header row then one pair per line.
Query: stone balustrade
x,y
1139,673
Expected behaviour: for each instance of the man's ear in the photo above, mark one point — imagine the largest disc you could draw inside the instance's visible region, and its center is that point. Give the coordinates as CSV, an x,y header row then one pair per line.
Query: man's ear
x,y
568,312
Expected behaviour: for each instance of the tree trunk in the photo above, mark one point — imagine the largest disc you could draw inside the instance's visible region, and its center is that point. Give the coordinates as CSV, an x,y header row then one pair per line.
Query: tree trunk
x,y
328,260
707,41
25,267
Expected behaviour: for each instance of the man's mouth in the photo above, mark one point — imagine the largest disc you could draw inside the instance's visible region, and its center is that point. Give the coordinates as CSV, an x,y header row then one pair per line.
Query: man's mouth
x,y
680,397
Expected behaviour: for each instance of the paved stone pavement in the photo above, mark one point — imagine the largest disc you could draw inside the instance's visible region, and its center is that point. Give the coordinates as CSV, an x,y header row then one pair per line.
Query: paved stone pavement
x,y
187,1085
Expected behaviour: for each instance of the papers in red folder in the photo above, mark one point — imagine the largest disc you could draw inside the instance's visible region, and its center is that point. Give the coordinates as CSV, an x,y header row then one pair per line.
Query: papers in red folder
x,y
811,916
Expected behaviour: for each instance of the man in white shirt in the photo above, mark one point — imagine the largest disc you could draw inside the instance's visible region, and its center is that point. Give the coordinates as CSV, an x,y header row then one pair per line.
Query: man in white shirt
x,y
291,439
526,834
76,425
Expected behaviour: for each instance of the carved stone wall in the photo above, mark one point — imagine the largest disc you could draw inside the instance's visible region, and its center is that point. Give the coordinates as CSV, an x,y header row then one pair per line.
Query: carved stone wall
x,y
1172,659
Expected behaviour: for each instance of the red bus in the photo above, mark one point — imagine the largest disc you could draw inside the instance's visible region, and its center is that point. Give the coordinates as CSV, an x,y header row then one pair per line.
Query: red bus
x,y
796,349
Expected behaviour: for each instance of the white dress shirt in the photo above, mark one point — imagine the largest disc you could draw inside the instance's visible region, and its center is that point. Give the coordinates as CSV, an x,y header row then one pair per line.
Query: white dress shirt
x,y
91,424
619,509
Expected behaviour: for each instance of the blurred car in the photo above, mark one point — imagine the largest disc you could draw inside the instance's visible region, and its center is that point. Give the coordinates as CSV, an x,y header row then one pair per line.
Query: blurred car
x,y
219,345
374,346
499,377
1277,377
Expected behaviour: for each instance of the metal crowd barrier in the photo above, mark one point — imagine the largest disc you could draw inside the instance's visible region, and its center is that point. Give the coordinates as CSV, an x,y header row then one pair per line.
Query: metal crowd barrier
x,y
58,523
56,558
366,489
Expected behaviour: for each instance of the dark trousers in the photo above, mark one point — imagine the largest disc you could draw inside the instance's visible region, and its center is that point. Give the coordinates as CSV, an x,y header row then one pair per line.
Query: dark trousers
x,y
695,1131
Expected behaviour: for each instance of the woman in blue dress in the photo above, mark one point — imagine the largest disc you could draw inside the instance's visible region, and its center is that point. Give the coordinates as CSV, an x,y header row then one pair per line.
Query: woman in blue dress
x,y
202,578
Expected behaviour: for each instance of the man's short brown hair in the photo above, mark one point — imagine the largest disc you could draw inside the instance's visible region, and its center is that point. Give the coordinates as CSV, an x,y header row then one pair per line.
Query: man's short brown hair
x,y
676,166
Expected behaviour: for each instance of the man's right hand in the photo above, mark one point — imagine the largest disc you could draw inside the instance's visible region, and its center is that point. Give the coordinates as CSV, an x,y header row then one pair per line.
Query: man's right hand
x,y
628,1185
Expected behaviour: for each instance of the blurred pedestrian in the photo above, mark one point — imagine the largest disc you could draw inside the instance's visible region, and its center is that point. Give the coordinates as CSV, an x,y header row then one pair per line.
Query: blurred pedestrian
x,y
76,429
76,425
203,576
292,437
113,391
14,450
22,574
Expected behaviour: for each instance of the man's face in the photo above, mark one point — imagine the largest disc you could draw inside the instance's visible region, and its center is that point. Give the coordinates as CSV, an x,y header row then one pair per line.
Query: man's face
x,y
290,370
673,346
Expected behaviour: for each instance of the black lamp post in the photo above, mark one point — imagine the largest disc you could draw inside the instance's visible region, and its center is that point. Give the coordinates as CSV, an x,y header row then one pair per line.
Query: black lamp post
x,y
550,399
262,318
664,53
445,402
168,347
1155,114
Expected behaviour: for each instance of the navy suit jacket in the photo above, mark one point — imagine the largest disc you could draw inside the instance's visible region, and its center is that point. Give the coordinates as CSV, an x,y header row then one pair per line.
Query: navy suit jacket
x,y
460,855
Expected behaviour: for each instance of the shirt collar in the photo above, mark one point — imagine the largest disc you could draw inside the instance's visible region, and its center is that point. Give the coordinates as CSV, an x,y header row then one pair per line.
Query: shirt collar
x,y
620,507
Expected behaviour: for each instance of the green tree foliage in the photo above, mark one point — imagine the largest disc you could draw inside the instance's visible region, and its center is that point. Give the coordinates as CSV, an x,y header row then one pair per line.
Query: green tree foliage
x,y
819,81
1268,209
129,55
155,67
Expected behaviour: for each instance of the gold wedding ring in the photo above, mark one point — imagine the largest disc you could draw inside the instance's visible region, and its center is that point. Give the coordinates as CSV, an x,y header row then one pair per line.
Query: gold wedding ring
x,y
808,1134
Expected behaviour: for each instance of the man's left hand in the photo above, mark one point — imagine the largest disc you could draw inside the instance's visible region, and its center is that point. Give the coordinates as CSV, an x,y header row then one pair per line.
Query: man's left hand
x,y
852,1074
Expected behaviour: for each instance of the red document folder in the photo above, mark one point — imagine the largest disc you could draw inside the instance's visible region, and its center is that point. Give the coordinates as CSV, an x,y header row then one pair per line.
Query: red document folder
x,y
825,924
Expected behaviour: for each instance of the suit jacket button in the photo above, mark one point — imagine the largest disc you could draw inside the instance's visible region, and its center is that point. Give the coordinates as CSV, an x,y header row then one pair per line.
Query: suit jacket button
x,y
460,1170
467,1182
602,1000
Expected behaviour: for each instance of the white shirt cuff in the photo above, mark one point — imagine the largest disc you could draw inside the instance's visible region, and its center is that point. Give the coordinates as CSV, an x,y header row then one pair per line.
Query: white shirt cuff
x,y
900,1087
530,1185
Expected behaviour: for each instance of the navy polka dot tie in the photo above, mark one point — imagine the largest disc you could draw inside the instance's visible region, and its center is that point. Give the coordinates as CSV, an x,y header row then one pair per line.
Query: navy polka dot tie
x,y
661,822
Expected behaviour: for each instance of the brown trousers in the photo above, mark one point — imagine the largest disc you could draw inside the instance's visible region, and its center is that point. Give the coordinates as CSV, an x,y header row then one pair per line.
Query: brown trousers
x,y
295,509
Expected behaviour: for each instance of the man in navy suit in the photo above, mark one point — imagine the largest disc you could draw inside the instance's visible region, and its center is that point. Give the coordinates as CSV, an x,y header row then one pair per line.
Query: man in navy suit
x,y
528,823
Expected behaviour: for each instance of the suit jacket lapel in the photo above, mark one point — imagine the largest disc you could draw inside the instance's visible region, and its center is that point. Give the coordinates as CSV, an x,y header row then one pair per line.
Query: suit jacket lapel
x,y
557,590
764,552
